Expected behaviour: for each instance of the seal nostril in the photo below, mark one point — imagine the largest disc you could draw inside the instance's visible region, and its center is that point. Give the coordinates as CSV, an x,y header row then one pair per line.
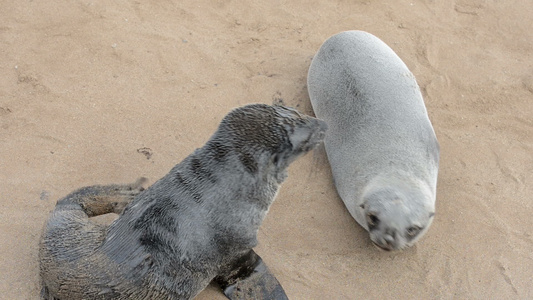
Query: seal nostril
x,y
389,239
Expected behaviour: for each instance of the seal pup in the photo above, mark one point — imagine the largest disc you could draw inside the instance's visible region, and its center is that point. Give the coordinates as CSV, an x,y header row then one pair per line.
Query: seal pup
x,y
382,149
196,225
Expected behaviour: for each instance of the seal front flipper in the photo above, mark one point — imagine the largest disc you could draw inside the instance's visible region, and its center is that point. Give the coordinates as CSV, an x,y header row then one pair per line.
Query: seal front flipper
x,y
249,278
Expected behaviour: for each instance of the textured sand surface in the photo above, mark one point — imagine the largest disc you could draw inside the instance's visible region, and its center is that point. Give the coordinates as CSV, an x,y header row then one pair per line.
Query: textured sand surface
x,y
107,91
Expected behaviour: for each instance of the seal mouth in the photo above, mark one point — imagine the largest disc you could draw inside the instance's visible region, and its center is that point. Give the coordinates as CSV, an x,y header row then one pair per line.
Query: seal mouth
x,y
382,248
388,249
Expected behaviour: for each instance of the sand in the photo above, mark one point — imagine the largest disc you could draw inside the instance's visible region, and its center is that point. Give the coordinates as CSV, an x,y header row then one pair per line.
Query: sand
x,y
107,91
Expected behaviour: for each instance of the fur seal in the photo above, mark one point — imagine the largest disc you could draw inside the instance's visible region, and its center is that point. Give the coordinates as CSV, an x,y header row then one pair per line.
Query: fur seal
x,y
195,225
381,146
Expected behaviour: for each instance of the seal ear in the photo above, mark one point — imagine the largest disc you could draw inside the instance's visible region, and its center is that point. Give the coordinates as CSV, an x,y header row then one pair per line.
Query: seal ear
x,y
431,214
362,206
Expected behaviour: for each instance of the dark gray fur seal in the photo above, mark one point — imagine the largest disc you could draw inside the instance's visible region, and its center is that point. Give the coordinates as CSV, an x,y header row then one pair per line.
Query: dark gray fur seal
x,y
381,146
195,225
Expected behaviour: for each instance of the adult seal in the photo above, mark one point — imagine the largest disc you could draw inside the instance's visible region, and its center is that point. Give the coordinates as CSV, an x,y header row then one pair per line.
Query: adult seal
x,y
382,149
196,225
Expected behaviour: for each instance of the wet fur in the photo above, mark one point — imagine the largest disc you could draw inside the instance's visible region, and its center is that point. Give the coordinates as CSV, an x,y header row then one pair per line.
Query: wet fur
x,y
380,144
191,226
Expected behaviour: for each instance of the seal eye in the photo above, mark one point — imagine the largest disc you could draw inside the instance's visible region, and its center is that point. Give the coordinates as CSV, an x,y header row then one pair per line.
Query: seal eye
x,y
413,230
372,220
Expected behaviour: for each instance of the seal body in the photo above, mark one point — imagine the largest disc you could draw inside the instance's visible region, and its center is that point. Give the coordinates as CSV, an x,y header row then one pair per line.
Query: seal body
x,y
381,146
195,225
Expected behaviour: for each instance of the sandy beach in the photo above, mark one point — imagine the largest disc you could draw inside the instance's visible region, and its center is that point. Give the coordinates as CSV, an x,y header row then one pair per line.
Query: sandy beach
x,y
99,92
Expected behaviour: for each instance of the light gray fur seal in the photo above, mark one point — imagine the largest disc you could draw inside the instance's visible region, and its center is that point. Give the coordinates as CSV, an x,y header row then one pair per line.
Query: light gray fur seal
x,y
195,225
382,149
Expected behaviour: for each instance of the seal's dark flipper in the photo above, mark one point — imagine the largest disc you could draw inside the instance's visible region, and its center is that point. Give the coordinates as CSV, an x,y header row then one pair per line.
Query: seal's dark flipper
x,y
250,278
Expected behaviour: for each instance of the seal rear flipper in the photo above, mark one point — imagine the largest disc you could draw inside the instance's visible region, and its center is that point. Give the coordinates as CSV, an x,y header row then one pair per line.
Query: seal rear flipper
x,y
102,199
249,278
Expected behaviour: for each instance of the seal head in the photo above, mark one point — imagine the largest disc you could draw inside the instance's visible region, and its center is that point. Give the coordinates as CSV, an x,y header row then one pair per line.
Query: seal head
x,y
263,135
396,218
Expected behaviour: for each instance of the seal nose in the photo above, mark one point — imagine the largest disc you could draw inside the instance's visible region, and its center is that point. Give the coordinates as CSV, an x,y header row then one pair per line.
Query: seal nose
x,y
319,127
390,238
322,125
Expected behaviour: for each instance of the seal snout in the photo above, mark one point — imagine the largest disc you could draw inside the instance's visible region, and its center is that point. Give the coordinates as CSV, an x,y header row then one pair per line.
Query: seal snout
x,y
388,241
315,133
322,125
390,237
320,130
